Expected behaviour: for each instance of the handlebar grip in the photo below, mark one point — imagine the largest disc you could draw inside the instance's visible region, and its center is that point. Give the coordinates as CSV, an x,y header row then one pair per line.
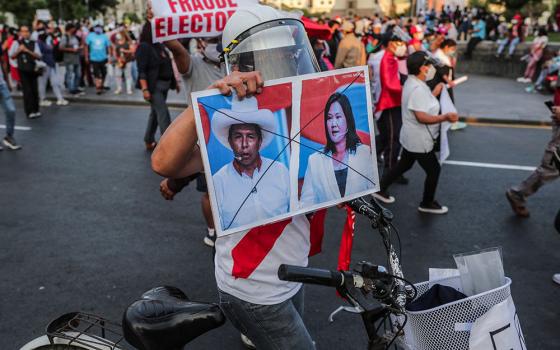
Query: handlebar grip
x,y
310,275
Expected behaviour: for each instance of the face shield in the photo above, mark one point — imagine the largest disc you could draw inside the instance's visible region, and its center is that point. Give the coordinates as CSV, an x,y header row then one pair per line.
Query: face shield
x,y
277,49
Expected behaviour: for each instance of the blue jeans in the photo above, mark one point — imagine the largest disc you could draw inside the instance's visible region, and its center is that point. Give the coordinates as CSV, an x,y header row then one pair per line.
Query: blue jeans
x,y
9,108
275,327
512,45
72,77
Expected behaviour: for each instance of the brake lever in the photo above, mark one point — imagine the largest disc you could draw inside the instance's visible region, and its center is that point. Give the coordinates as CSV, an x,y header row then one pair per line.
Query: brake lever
x,y
350,309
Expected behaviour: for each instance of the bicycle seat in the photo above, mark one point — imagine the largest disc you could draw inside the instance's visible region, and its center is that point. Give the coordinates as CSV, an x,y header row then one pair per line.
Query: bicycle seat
x,y
165,319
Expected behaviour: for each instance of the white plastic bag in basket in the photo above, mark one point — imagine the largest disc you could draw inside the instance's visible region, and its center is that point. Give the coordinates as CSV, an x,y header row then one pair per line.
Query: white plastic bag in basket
x,y
498,329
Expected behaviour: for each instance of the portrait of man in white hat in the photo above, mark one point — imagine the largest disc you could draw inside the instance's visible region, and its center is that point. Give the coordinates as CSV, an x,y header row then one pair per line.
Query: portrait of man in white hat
x,y
249,188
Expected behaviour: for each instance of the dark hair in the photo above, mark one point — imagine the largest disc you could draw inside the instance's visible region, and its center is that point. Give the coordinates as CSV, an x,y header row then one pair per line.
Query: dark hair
x,y
448,43
542,31
146,33
415,61
352,138
70,26
258,130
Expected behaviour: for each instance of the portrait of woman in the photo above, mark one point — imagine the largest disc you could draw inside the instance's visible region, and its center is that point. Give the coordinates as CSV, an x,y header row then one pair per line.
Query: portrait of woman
x,y
345,165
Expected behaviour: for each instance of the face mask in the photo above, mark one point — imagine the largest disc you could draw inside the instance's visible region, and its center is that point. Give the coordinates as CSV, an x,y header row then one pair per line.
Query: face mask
x,y
400,51
431,73
98,30
211,52
452,53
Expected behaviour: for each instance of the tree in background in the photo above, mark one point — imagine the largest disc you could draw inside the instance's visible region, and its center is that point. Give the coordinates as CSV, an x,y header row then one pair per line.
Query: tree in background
x,y
24,10
526,7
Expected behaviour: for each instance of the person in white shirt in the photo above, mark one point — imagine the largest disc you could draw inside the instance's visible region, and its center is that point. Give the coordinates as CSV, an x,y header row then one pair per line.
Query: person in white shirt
x,y
420,131
251,187
345,166
261,306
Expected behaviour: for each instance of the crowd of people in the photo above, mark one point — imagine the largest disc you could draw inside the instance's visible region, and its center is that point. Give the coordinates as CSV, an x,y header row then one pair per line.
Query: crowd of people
x,y
412,64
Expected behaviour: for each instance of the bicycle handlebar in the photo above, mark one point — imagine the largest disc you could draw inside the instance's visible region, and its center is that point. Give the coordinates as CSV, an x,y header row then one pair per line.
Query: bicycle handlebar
x,y
311,275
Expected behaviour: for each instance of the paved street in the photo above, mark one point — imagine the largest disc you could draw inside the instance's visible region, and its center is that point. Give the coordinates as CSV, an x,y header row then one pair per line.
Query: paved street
x,y
83,227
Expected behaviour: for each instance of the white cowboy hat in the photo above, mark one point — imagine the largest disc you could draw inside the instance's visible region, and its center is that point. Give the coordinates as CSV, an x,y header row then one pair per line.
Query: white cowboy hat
x,y
245,111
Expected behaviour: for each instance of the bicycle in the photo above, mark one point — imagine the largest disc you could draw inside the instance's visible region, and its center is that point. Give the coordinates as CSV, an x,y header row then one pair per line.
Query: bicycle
x,y
165,319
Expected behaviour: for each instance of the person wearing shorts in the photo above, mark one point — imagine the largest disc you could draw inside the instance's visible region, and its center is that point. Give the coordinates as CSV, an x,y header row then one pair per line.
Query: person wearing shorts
x,y
98,49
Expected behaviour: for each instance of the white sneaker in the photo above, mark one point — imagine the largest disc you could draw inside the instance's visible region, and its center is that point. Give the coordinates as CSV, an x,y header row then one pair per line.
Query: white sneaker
x,y
520,79
556,278
384,197
45,103
247,342
129,92
118,92
433,208
62,102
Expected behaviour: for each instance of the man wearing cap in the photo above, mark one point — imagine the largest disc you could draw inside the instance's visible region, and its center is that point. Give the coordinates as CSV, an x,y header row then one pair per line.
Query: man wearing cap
x,y
243,192
351,51
389,103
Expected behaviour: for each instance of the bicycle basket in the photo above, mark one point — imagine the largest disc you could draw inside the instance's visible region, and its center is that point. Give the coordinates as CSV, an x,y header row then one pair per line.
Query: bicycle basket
x,y
443,327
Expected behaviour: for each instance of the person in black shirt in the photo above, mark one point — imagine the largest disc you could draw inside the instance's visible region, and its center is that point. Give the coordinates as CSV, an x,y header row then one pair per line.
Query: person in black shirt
x,y
156,78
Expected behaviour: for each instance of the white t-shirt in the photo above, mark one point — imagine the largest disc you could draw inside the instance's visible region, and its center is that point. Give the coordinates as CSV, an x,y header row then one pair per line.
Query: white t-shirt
x,y
415,136
270,198
201,75
262,286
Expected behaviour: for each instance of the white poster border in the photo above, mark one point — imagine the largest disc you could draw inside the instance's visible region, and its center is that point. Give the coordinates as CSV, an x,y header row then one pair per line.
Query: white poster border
x,y
296,82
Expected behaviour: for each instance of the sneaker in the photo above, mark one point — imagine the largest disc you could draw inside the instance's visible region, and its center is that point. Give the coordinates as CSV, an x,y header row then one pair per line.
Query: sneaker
x,y
247,342
118,92
45,103
384,197
11,143
530,89
520,79
34,115
210,239
129,92
62,102
517,203
432,208
556,278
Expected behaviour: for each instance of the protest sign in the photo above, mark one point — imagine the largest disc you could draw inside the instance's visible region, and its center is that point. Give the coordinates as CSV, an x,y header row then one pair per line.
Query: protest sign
x,y
303,144
43,15
174,19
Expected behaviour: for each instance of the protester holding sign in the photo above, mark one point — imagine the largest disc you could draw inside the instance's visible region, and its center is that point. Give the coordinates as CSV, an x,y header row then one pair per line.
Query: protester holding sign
x,y
420,131
268,310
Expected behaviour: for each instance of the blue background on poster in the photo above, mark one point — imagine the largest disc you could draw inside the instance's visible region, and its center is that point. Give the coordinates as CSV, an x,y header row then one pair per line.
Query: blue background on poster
x,y
218,155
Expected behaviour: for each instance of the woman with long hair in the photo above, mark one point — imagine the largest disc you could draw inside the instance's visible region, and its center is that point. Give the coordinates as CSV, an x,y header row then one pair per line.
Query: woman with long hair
x,y
155,78
345,165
